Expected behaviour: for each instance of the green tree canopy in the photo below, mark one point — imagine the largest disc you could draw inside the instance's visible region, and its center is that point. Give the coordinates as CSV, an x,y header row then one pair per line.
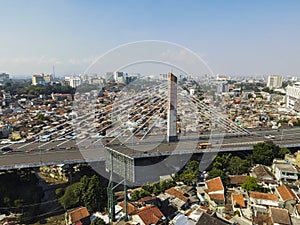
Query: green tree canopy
x,y
265,152
237,166
251,184
88,192
190,174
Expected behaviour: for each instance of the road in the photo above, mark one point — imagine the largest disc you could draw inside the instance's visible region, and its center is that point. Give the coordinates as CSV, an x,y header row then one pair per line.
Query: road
x,y
72,151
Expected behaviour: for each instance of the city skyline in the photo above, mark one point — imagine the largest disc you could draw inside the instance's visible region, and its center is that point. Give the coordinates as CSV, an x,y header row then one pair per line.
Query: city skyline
x,y
232,37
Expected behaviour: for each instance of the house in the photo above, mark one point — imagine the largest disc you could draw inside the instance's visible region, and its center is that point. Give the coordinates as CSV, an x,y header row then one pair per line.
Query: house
x,y
237,180
215,193
285,172
288,197
264,199
213,219
264,176
238,201
280,216
198,217
149,215
177,198
286,194
148,200
131,209
79,216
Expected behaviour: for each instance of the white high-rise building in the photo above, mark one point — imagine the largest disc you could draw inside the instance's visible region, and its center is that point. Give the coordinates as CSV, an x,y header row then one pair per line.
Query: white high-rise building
x,y
293,97
274,81
73,81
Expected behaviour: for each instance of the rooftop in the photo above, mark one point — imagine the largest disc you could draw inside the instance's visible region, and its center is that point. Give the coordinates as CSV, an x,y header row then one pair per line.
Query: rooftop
x,y
150,215
237,179
214,185
286,193
176,193
285,167
238,200
280,216
78,214
265,196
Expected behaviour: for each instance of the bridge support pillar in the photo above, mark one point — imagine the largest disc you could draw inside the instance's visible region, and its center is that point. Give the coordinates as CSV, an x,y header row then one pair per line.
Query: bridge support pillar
x,y
172,108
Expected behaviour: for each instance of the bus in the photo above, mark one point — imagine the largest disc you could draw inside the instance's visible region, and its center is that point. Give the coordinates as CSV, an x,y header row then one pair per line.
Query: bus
x,y
204,145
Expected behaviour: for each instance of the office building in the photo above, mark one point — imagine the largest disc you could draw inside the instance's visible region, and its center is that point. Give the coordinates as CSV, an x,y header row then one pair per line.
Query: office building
x,y
274,81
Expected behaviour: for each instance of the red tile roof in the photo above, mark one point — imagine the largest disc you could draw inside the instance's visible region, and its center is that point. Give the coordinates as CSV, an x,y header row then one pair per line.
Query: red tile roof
x,y
214,185
266,196
150,215
78,214
176,193
218,197
131,209
238,199
286,193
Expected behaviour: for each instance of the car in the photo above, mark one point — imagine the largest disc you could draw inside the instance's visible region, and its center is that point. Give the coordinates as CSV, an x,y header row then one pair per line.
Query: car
x,y
6,149
270,136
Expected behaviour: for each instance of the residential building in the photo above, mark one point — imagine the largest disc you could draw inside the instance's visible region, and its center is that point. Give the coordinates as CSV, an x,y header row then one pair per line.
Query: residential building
x,y
238,201
77,216
177,198
286,193
264,176
149,215
288,197
198,217
73,81
131,209
285,172
280,216
274,81
237,180
120,77
215,193
293,97
41,79
264,199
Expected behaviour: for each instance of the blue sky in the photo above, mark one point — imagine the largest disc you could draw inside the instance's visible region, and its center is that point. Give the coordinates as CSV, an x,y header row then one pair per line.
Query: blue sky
x,y
233,37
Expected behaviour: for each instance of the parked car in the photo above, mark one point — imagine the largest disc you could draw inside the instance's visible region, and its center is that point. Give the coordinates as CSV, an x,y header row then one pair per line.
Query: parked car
x,y
6,149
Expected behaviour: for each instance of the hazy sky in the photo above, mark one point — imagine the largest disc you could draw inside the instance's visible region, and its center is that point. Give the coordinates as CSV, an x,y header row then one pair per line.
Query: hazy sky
x,y
234,37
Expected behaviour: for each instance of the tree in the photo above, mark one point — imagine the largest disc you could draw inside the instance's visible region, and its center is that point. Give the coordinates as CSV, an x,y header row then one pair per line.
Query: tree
x,y
222,162
71,197
98,221
190,174
282,152
214,172
237,166
251,184
265,152
88,192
